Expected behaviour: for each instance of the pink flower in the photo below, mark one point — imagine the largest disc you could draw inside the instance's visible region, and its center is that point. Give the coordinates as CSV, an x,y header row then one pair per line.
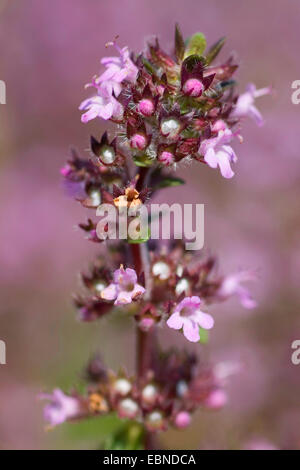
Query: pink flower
x,y
103,105
108,85
187,315
217,154
124,289
61,407
120,68
231,285
245,104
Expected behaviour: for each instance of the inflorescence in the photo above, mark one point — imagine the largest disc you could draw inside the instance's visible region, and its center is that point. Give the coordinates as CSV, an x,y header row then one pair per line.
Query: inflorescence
x,y
168,108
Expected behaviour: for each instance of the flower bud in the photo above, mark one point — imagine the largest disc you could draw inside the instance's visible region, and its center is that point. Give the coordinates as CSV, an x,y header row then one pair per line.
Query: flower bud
x,y
165,157
128,408
182,286
122,386
155,421
170,127
146,323
146,107
182,420
99,285
193,87
216,399
138,141
149,394
95,197
65,170
161,270
181,388
107,155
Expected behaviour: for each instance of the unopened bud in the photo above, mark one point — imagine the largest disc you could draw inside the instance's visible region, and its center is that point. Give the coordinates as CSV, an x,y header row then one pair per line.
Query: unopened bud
x,y
182,286
149,394
122,386
146,107
167,158
65,170
138,141
128,408
161,270
95,196
170,127
216,399
181,388
193,87
99,285
107,155
146,323
155,421
182,420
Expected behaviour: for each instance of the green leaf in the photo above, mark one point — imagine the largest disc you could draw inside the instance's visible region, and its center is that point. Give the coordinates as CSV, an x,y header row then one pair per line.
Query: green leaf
x,y
179,44
204,336
169,182
91,427
196,45
129,437
214,50
143,160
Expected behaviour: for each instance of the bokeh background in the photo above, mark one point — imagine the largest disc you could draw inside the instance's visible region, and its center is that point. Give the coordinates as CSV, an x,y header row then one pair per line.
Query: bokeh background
x,y
49,50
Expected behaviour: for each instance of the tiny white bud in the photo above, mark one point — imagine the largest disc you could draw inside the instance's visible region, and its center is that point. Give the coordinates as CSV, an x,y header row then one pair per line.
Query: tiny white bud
x,y
182,286
170,127
161,270
108,155
122,386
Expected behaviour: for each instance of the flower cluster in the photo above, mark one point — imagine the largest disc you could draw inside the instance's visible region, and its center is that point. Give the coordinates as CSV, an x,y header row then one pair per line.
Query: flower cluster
x,y
171,108
168,108
182,286
167,396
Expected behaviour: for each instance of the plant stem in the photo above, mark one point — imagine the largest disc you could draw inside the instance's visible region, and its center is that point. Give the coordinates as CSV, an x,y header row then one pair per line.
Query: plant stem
x,y
145,340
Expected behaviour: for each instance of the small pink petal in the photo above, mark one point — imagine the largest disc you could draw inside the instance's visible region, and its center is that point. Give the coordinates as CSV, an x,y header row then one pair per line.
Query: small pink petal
x,y
110,292
175,321
123,298
205,320
191,331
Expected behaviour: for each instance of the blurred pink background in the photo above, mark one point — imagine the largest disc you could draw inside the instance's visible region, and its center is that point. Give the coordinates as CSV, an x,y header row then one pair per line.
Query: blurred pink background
x,y
49,50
